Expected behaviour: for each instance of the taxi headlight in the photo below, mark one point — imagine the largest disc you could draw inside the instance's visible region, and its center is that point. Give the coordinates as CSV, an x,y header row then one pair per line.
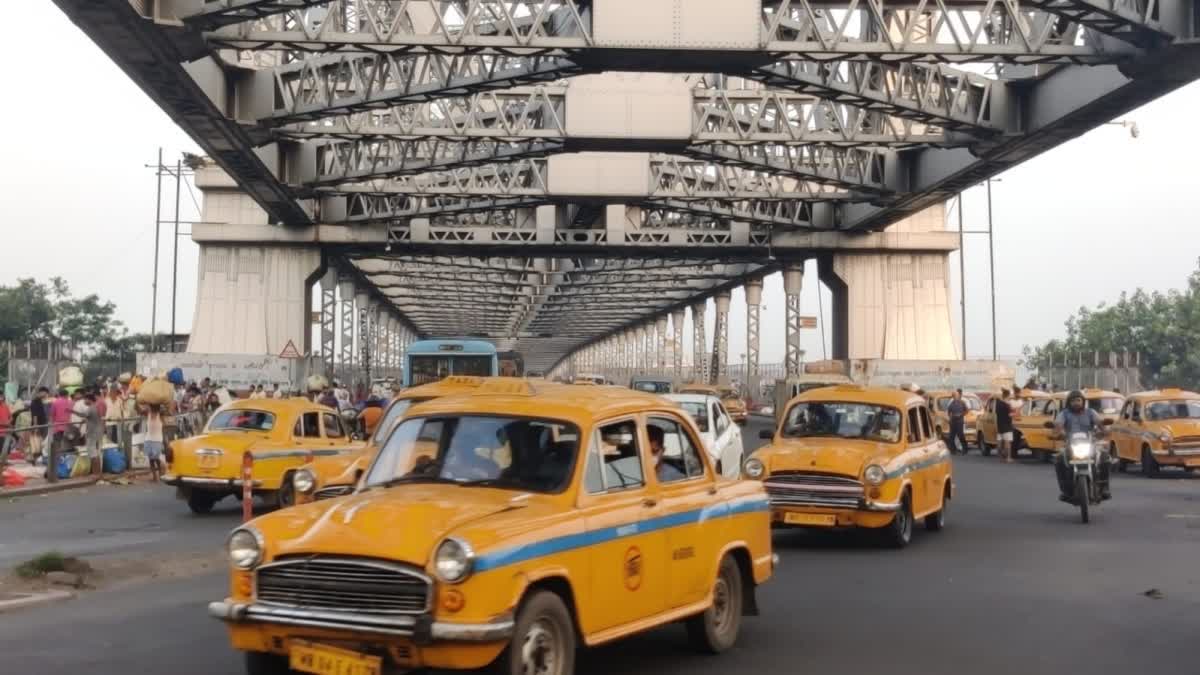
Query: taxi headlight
x,y
754,468
453,560
874,475
304,481
1164,437
1081,450
245,548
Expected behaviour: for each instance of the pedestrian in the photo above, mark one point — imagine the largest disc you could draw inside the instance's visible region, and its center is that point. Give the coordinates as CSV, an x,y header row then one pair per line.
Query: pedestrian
x,y
1004,426
152,446
328,399
6,427
957,412
112,413
60,417
40,417
93,430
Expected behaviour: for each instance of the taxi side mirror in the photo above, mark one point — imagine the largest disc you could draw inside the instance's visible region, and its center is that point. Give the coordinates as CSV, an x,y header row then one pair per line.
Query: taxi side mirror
x,y
766,434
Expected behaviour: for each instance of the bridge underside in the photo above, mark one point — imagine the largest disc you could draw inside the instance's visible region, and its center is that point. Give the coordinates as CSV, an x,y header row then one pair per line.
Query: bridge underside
x,y
552,173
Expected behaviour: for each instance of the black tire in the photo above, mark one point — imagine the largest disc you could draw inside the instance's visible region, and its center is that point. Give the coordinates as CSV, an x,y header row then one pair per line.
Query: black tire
x,y
716,629
1149,464
936,521
543,639
258,663
984,448
1083,496
898,533
286,495
201,502
1046,456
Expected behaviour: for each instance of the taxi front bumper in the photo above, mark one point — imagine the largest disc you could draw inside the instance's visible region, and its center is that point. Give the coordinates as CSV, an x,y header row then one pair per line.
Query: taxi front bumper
x,y
201,482
420,627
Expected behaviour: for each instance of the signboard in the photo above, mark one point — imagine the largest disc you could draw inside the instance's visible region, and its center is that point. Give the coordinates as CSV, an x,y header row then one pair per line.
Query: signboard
x,y
934,374
808,322
234,371
290,351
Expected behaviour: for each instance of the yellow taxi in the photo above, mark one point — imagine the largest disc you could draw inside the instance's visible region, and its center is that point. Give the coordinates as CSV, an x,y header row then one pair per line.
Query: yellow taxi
x,y
1031,402
852,456
1156,429
335,476
939,402
279,434
505,526
1029,428
733,402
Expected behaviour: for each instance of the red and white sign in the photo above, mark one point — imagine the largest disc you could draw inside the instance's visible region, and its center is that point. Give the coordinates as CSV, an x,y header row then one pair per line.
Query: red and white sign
x,y
290,351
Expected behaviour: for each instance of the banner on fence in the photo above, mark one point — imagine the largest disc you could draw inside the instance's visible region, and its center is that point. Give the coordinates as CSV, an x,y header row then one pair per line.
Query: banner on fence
x,y
233,371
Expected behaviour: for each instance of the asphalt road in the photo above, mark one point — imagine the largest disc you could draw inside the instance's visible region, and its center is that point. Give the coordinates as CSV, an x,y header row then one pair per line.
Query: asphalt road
x,y
1014,584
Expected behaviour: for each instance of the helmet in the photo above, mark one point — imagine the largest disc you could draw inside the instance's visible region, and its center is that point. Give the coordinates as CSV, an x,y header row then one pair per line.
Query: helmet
x,y
1075,394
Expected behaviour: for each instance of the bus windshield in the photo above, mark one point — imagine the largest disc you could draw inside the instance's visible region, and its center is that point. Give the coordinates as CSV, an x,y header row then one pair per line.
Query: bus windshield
x,y
437,367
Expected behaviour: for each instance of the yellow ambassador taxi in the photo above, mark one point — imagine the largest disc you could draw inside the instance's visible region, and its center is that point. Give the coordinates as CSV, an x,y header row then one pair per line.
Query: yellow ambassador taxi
x,y
853,456
336,476
1156,429
280,434
503,527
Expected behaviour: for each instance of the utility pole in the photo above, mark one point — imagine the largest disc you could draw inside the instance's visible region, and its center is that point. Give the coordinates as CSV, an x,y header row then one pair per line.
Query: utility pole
x,y
962,276
154,283
175,255
991,264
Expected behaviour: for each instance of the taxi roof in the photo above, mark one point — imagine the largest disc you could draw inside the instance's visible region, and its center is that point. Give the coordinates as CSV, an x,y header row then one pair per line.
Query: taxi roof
x,y
1090,392
550,400
276,406
854,393
949,392
450,385
1166,392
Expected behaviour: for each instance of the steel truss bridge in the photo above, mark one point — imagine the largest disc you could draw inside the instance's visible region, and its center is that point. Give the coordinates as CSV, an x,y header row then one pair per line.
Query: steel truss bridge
x,y
564,176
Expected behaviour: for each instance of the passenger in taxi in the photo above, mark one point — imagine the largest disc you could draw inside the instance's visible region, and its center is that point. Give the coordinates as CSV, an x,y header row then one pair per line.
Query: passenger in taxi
x,y
666,471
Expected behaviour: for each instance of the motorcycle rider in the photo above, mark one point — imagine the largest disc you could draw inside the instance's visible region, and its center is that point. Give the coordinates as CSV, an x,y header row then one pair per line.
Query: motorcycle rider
x,y
1077,418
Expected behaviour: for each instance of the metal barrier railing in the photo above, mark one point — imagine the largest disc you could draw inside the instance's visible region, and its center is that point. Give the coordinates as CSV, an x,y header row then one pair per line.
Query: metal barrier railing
x,y
52,444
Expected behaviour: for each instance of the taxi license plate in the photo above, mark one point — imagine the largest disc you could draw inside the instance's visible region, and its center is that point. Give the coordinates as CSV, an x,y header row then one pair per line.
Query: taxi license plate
x,y
208,461
821,519
321,660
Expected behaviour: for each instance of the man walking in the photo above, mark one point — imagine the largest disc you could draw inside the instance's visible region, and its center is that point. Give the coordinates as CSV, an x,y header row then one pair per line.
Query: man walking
x,y
1004,426
40,413
957,411
93,431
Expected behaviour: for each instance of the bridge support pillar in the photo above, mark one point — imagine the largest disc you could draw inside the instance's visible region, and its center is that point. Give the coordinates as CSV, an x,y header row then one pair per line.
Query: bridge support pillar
x,y
753,301
677,318
329,320
346,314
639,349
720,357
660,327
793,280
699,342
254,299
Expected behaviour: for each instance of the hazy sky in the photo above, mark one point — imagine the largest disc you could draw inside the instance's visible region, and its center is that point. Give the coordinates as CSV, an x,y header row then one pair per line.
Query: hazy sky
x,y
1075,226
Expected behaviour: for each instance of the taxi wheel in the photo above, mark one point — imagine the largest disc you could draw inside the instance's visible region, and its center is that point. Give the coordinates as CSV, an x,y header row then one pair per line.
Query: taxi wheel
x,y
287,493
201,502
1149,466
716,629
984,448
258,663
543,641
935,522
899,533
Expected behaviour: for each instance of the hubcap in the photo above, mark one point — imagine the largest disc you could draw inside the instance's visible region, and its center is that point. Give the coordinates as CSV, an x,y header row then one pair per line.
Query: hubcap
x,y
720,607
540,651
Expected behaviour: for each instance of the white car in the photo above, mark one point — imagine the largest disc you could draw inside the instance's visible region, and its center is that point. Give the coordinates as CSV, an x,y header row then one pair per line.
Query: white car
x,y
722,438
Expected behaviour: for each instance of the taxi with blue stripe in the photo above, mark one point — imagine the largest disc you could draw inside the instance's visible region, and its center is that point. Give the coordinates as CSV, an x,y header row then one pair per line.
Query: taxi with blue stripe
x,y
505,526
856,457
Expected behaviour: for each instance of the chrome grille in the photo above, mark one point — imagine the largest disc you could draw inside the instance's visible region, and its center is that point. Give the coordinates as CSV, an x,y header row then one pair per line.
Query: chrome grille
x,y
335,491
344,585
814,489
1185,442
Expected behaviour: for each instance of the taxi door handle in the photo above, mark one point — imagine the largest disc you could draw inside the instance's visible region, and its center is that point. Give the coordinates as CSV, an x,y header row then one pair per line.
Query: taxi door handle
x,y
649,502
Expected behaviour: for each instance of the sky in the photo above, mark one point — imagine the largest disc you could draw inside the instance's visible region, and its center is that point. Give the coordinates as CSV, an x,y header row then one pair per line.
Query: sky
x,y
1075,226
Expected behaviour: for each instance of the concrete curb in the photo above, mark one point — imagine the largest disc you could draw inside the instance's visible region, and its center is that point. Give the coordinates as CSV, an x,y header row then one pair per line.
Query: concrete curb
x,y
33,599
66,484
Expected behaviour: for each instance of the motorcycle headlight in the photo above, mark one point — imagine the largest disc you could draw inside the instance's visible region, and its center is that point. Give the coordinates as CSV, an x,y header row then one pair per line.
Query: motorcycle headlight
x,y
304,481
1081,450
245,548
874,475
453,560
754,468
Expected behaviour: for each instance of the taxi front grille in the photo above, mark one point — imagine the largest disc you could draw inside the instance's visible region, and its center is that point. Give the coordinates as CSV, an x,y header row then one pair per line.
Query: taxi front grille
x,y
813,489
344,585
1185,442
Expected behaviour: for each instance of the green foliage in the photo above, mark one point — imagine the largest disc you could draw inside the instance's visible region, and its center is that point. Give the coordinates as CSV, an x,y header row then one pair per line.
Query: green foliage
x,y
1163,327
39,566
32,310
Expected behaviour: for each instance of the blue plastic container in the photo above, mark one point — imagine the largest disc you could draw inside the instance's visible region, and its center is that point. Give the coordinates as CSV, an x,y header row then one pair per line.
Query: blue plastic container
x,y
66,462
175,376
114,460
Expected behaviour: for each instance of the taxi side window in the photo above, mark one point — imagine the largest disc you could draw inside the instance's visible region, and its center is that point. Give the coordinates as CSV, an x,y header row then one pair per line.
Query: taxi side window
x,y
719,417
679,452
914,426
1137,409
333,425
614,461
926,428
312,423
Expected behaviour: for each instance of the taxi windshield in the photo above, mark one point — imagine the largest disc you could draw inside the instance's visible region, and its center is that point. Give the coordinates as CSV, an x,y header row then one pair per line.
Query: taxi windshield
x,y
242,420
652,387
843,420
515,453
1173,410
389,418
1105,406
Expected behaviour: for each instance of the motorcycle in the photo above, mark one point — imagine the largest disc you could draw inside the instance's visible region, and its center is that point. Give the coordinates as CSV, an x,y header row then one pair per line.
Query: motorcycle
x,y
1082,456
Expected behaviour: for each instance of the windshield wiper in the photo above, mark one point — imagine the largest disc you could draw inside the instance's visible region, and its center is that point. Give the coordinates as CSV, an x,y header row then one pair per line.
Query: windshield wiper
x,y
413,478
491,482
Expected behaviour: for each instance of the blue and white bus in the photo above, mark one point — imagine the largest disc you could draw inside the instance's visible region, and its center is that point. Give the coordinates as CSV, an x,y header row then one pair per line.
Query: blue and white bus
x,y
433,360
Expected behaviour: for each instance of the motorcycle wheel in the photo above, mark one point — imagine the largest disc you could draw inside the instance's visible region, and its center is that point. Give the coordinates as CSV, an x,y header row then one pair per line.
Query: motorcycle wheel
x,y
1083,495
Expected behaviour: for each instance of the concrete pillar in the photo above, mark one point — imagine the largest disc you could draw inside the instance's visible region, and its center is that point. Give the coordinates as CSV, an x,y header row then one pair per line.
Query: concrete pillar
x,y
347,321
251,299
720,358
660,327
639,350
753,301
329,320
362,302
699,343
677,318
793,280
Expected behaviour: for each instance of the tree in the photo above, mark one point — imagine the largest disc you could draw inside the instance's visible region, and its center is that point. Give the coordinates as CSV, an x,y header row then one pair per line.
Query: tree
x,y
31,310
24,309
1163,327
